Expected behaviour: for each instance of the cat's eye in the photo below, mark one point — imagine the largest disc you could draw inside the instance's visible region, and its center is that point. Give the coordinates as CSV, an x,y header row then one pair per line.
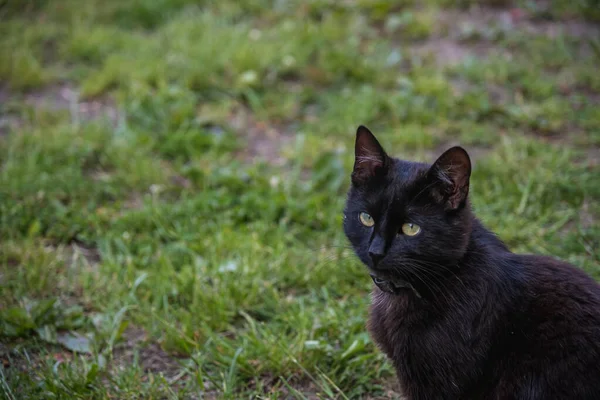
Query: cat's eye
x,y
366,219
411,229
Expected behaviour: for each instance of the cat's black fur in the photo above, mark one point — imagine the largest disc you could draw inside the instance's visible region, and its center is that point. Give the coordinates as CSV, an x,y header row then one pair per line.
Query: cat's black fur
x,y
479,322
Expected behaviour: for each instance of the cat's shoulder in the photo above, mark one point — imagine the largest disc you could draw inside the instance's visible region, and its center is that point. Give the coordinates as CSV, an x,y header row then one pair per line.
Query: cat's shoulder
x,y
561,288
554,270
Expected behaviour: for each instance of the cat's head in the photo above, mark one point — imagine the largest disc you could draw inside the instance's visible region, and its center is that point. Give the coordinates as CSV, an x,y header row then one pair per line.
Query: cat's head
x,y
405,219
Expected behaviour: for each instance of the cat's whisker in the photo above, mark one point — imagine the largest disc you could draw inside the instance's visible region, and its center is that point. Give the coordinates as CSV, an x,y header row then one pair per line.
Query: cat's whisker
x,y
434,269
418,276
443,290
437,265
453,294
443,286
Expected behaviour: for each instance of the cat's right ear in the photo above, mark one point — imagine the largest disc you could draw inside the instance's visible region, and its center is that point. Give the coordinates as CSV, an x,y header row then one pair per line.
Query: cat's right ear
x,y
370,160
451,173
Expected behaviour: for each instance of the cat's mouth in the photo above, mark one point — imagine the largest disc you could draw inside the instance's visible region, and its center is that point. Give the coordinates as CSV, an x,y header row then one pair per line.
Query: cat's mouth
x,y
381,271
386,280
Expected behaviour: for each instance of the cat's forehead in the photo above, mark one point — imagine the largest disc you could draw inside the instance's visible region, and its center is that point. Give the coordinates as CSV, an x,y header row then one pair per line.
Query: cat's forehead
x,y
407,172
405,176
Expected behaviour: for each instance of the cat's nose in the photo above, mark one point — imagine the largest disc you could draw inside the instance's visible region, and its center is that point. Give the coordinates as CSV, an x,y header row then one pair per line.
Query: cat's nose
x,y
377,249
376,257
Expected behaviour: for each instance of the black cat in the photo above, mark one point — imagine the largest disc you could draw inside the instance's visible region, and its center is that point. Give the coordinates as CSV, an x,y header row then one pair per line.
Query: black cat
x,y
458,314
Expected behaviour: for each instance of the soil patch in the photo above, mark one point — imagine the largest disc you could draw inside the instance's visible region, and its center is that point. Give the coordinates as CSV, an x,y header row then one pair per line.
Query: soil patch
x,y
66,97
151,357
264,141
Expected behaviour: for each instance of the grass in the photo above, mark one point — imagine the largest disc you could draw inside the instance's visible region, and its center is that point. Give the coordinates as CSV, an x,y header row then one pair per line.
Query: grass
x,y
172,175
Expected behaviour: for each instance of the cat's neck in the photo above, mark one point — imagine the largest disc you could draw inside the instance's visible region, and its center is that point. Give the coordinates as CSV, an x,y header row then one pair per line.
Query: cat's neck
x,y
483,242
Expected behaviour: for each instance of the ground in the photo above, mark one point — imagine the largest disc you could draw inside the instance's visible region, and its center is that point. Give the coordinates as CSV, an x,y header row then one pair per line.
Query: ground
x,y
172,175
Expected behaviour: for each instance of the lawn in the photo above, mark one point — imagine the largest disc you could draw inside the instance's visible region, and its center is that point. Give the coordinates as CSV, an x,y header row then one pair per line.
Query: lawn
x,y
172,176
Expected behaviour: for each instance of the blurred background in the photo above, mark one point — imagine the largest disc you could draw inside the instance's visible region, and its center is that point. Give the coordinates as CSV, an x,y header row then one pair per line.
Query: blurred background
x,y
172,176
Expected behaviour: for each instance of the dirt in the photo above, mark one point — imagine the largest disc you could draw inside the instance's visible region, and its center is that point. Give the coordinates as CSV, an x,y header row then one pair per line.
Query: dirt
x,y
7,121
264,141
574,28
587,218
448,43
136,345
151,357
54,98
89,253
489,22
462,34
13,357
593,156
445,51
66,97
3,94
392,390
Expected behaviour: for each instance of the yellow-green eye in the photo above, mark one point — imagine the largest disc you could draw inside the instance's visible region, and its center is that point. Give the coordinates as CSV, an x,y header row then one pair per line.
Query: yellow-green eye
x,y
411,229
366,219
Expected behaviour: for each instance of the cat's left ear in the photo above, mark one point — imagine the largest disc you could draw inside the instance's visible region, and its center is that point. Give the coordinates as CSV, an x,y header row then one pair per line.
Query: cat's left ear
x,y
370,160
452,171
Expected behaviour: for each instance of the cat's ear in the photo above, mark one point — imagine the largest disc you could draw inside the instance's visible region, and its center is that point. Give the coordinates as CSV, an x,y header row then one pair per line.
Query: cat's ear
x,y
370,159
451,172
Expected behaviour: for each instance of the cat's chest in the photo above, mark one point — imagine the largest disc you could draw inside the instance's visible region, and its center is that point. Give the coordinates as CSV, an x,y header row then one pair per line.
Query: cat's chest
x,y
396,324
421,345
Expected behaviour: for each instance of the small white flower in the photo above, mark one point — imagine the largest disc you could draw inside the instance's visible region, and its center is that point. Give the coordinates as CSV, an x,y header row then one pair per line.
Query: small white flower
x,y
228,266
249,77
255,34
289,61
156,188
274,181
311,344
